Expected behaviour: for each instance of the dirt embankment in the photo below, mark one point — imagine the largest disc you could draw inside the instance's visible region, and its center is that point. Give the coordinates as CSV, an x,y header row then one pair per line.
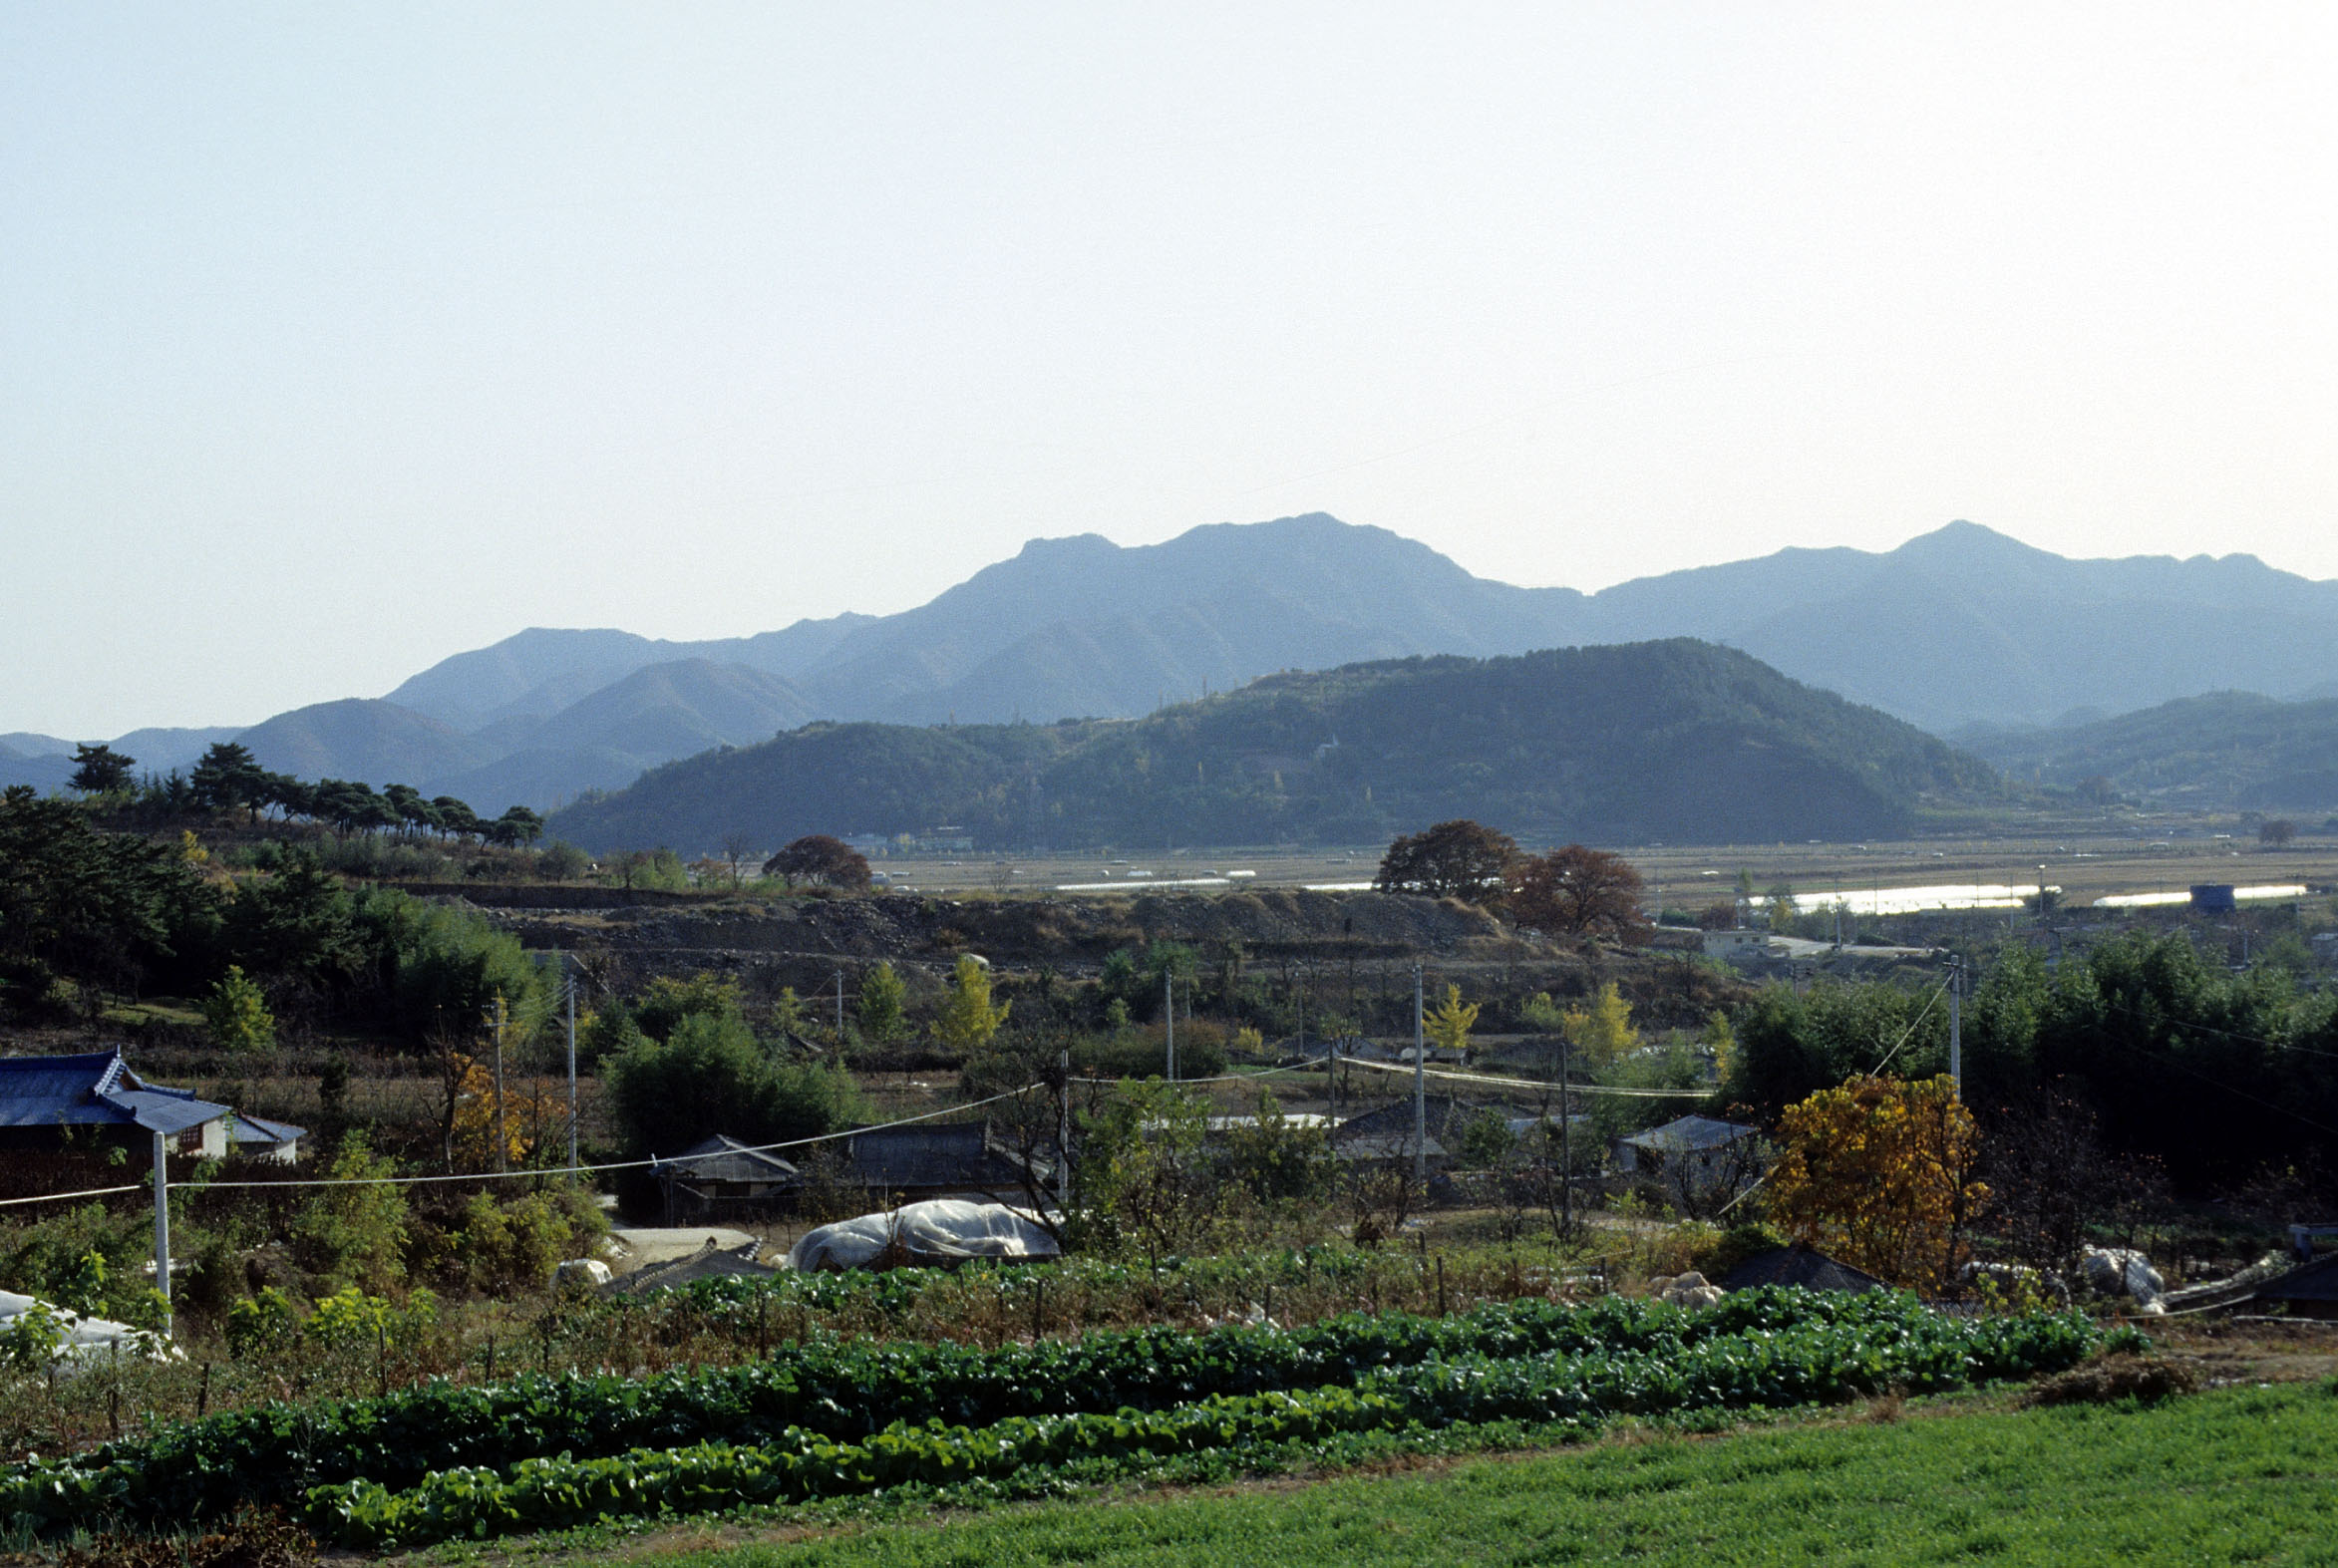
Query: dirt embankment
x,y
1353,946
1063,933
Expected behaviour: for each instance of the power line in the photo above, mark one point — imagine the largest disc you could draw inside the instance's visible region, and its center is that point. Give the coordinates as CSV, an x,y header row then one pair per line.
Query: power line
x,y
1909,1032
623,1164
59,1197
1532,1082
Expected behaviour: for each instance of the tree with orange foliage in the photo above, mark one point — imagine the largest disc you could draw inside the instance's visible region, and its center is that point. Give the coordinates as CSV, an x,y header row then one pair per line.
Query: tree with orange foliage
x,y
1576,890
1875,1172
534,1111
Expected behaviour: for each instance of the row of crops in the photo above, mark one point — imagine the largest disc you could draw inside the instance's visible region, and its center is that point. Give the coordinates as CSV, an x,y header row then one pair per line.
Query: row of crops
x,y
823,1417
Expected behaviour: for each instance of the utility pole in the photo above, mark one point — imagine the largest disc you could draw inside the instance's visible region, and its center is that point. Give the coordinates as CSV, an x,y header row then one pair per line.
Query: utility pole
x,y
568,978
163,1232
1064,1136
1956,1024
503,1149
1566,1153
1168,995
839,1010
1420,1083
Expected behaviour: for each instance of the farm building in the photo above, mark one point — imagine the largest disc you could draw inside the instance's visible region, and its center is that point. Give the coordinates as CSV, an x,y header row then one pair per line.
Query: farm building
x,y
2308,1291
1696,1150
936,1160
721,1176
1387,1133
1739,943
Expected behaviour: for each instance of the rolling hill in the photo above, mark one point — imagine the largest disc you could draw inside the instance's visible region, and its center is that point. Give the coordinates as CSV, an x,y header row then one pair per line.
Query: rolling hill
x,y
2225,750
1663,740
361,737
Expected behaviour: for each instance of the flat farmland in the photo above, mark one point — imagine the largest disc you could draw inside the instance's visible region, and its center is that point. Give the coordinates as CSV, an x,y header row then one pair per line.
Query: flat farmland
x,y
2086,860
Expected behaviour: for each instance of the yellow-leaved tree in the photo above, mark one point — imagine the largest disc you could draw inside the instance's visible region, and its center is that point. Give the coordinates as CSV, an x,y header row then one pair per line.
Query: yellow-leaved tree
x,y
1602,1033
968,1019
1449,1027
1876,1172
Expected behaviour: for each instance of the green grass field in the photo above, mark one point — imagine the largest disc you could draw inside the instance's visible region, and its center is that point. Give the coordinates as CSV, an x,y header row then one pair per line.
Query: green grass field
x,y
2239,1475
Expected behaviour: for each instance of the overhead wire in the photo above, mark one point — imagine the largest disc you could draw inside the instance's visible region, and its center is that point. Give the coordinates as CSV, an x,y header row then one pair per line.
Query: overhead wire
x,y
1533,1083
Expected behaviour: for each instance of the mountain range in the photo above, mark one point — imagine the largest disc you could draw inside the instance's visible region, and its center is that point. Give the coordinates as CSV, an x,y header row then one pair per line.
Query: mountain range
x,y
1957,627
1677,739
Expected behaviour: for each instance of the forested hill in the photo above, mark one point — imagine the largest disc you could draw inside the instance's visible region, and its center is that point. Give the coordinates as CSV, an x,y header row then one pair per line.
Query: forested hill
x,y
2220,751
1676,739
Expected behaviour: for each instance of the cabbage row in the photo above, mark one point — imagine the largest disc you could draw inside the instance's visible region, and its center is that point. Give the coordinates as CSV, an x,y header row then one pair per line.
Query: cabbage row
x,y
1815,1363
272,1454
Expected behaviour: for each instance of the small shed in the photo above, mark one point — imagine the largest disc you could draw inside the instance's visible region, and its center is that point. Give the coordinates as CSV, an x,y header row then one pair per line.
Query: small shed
x,y
721,1175
1696,1138
256,1138
935,1159
1694,1155
1387,1133
2308,1291
1799,1265
1739,943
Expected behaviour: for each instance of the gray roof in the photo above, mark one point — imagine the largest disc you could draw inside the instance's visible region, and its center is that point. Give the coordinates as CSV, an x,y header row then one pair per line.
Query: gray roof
x,y
1388,1145
1799,1265
2315,1280
94,1089
1688,1134
248,1129
1437,1113
935,1155
721,1159
711,1261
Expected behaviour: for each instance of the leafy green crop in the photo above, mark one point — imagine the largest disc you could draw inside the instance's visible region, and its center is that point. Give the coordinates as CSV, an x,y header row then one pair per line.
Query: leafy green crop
x,y
1816,1362
1762,1346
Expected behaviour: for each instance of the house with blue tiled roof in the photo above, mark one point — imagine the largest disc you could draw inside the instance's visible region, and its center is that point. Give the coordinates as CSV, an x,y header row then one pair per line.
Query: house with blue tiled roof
x,y
94,1100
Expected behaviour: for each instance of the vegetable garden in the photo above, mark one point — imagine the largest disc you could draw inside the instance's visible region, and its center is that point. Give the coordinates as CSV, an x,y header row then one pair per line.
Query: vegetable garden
x,y
824,1416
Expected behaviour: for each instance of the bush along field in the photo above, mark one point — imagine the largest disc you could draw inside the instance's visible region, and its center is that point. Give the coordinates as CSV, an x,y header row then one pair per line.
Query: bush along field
x,y
826,1419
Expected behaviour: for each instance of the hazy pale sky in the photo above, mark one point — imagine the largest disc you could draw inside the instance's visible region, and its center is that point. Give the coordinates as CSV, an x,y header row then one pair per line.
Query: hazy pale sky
x,y
336,339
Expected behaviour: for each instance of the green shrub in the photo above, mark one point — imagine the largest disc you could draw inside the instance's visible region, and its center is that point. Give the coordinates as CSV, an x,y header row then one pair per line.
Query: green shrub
x,y
259,1324
713,1075
351,1320
236,1013
354,1235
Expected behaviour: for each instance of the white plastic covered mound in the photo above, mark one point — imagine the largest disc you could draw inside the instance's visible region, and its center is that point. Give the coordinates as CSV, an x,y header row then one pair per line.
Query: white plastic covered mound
x,y
86,1339
930,1232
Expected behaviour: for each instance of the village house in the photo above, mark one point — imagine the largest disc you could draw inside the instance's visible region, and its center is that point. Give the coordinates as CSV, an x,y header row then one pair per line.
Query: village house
x,y
1695,1153
50,1105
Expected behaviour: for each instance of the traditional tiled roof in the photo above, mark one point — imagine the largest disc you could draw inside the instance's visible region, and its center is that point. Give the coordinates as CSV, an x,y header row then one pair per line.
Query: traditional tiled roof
x,y
1799,1265
935,1155
2315,1280
721,1159
1688,1134
94,1089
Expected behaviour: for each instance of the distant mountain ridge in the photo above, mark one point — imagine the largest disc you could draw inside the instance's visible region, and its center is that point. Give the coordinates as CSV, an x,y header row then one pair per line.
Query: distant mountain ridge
x,y
1616,743
1957,626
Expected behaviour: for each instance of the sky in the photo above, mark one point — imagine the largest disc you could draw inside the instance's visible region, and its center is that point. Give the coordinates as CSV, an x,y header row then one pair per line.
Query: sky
x,y
335,339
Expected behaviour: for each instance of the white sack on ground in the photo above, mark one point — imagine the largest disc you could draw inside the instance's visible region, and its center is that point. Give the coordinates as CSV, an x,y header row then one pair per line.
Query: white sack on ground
x,y
77,1338
930,1232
